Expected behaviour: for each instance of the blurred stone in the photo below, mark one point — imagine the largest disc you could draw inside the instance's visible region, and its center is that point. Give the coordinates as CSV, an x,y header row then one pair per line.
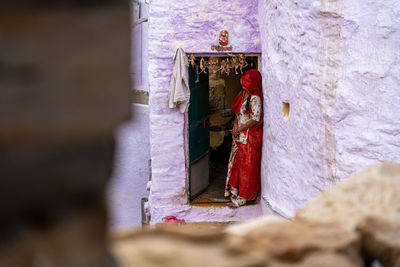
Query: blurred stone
x,y
319,260
175,246
242,229
292,241
195,231
277,243
381,240
372,192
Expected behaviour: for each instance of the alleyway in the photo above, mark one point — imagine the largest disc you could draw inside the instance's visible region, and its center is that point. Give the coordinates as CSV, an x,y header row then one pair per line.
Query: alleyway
x,y
92,150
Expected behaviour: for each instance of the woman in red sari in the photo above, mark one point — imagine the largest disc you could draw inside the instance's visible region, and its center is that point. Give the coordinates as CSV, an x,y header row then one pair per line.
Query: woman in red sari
x,y
243,178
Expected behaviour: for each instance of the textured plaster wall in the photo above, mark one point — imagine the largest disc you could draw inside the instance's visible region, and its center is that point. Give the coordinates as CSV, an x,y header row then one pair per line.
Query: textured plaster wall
x,y
337,64
194,26
367,117
131,170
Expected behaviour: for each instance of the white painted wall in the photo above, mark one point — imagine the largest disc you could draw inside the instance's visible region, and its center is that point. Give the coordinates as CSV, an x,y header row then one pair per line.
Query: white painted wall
x,y
337,64
367,105
131,170
194,26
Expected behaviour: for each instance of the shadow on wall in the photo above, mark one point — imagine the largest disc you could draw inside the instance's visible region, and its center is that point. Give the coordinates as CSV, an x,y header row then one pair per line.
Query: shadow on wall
x,y
64,88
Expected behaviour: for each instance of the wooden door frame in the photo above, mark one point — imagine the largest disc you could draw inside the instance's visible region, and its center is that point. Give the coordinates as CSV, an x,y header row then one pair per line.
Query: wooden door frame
x,y
186,117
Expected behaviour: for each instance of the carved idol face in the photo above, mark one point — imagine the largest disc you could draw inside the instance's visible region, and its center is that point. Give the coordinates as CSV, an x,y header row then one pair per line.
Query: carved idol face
x,y
224,38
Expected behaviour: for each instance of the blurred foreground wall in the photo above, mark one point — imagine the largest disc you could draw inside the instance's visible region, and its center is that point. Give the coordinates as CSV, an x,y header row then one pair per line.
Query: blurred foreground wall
x,y
64,83
132,159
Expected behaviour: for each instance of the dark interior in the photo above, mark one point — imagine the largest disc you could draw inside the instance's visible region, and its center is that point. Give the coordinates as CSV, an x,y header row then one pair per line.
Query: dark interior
x,y
222,90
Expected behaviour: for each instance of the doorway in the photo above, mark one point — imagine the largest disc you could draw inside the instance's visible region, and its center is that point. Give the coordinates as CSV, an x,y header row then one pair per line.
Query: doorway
x,y
210,122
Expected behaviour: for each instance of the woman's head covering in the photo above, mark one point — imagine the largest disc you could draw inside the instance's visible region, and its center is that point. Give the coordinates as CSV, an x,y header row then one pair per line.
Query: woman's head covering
x,y
251,80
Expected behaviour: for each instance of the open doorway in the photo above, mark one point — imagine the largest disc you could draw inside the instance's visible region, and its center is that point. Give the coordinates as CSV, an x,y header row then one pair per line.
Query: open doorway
x,y
210,122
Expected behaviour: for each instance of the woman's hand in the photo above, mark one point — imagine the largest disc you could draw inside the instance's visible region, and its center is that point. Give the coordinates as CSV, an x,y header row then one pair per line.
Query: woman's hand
x,y
235,130
246,126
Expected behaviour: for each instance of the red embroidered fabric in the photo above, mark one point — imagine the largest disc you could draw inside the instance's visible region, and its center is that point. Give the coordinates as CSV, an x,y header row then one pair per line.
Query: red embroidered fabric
x,y
252,81
245,169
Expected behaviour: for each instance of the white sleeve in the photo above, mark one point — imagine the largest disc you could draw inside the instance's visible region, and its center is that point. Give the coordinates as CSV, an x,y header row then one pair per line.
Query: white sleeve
x,y
255,103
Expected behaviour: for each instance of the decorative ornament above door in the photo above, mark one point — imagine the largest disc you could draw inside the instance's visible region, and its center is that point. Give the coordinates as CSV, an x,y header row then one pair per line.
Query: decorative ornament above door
x,y
223,42
234,63
224,38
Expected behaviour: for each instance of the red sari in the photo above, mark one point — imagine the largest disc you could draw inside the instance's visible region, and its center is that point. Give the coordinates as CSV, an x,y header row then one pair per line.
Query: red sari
x,y
243,178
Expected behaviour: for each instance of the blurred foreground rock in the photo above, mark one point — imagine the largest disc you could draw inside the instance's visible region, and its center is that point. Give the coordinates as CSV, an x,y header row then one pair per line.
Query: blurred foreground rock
x,y
325,238
180,246
381,240
292,241
374,191
285,244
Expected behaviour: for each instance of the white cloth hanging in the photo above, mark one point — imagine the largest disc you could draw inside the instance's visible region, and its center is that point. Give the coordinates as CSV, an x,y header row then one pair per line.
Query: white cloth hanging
x,y
179,92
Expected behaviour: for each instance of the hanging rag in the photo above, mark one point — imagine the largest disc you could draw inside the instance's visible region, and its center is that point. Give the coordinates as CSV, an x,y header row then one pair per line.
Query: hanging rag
x,y
179,92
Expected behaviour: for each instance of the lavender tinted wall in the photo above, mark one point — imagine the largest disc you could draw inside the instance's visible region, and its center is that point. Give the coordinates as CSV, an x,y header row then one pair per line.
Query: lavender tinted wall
x,y
194,26
294,147
337,64
366,111
131,170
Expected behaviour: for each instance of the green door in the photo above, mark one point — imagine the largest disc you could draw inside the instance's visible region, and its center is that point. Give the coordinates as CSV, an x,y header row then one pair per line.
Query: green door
x,y
198,130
